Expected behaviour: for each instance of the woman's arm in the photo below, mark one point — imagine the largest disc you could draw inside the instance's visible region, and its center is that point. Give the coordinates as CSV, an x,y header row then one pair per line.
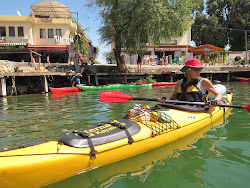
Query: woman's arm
x,y
173,97
82,69
207,85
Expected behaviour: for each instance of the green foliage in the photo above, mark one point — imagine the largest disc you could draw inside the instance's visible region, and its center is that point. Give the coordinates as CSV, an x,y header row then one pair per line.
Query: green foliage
x,y
96,62
223,55
224,22
83,45
213,56
83,41
107,56
131,24
148,79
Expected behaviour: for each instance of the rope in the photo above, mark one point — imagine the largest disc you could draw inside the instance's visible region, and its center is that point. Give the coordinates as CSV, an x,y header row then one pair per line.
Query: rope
x,y
52,78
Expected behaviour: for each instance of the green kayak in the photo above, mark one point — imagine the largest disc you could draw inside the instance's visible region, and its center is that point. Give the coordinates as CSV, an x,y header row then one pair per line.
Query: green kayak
x,y
114,86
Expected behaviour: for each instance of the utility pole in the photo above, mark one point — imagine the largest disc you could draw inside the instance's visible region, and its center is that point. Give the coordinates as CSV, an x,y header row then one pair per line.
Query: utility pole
x,y
77,44
246,62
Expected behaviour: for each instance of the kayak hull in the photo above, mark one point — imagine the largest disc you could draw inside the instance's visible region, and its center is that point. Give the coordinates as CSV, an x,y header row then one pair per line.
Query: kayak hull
x,y
114,86
164,83
49,162
65,90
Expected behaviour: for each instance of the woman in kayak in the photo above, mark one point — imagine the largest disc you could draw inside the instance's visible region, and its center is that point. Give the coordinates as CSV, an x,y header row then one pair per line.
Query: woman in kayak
x,y
192,87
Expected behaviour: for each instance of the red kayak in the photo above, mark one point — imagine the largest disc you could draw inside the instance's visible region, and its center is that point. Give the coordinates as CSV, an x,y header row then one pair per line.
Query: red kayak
x,y
243,79
65,89
164,83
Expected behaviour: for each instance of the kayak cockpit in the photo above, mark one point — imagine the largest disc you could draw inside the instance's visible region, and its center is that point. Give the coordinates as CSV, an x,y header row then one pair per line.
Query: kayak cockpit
x,y
103,133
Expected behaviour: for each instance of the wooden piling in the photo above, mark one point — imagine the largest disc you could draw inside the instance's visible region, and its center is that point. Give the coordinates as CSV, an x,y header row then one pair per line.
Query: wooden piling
x,y
46,87
3,87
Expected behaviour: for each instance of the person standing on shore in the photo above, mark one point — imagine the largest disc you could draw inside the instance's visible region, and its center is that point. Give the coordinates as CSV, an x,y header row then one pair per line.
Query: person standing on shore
x,y
192,87
139,63
71,51
162,56
124,63
91,53
48,56
85,70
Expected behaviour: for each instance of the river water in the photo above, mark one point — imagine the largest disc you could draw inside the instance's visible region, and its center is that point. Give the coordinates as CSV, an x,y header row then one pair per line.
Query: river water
x,y
216,156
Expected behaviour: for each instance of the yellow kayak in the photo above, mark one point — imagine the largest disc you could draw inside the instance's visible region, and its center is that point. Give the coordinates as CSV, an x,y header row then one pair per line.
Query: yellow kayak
x,y
108,142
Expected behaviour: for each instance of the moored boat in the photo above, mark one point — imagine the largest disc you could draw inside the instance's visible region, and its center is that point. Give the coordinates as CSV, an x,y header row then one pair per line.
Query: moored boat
x,y
113,86
65,89
160,83
164,83
106,143
243,79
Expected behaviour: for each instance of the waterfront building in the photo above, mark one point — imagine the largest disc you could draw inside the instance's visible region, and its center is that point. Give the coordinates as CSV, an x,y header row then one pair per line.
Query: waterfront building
x,y
175,50
48,31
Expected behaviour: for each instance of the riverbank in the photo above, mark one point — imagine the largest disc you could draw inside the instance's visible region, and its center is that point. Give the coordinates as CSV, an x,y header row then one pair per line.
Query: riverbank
x,y
25,78
26,67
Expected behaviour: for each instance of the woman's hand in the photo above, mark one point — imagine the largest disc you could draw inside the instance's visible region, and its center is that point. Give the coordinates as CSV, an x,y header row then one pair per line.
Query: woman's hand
x,y
162,99
213,103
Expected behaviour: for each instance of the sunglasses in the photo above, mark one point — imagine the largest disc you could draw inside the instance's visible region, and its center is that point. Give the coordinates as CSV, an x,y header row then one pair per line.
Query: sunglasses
x,y
196,69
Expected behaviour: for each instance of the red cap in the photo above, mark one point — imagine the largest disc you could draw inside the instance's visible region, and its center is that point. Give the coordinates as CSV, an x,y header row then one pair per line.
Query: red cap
x,y
193,62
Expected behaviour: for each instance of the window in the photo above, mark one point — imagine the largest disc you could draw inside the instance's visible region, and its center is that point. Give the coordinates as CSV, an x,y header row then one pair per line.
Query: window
x,y
20,31
11,31
42,33
2,32
58,32
50,33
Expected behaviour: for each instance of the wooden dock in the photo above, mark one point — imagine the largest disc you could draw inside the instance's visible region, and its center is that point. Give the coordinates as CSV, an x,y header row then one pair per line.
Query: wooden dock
x,y
39,82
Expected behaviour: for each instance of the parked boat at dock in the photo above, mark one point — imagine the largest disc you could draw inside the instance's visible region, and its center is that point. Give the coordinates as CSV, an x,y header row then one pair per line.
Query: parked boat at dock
x,y
243,79
65,90
113,86
164,83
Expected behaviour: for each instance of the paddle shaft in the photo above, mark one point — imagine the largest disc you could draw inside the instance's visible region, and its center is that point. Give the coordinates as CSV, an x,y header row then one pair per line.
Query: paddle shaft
x,y
230,106
169,101
186,102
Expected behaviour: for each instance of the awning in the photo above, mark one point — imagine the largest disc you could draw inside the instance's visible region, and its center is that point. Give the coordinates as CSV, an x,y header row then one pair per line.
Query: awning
x,y
172,49
47,47
205,49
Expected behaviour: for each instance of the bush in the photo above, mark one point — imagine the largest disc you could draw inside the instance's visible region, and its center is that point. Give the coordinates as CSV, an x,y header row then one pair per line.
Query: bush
x,y
148,79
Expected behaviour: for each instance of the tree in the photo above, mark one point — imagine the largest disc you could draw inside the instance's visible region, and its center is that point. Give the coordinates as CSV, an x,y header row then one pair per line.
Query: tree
x,y
82,40
131,24
223,23
238,19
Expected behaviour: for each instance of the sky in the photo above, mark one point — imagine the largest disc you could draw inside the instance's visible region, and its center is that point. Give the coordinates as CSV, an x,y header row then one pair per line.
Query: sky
x,y
87,17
